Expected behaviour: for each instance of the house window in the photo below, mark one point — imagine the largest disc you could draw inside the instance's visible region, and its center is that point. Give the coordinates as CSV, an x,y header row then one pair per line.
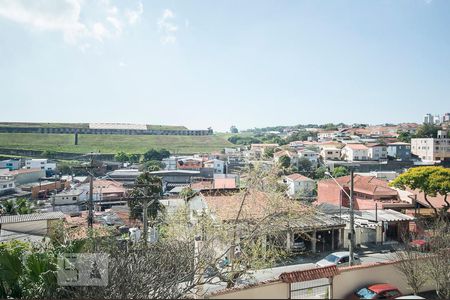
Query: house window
x,y
74,198
10,185
4,186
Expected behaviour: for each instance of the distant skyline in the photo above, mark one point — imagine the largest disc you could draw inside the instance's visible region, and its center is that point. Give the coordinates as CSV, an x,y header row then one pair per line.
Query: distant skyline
x,y
219,63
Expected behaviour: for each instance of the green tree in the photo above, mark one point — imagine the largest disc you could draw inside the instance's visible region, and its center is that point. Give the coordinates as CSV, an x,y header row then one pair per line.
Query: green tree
x,y
304,165
233,129
49,153
284,161
187,193
340,171
151,165
319,173
8,207
404,137
431,181
134,158
154,154
147,186
23,206
268,153
121,157
427,131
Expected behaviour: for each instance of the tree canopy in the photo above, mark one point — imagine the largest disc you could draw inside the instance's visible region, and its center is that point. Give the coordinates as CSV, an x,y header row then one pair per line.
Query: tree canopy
x,y
429,180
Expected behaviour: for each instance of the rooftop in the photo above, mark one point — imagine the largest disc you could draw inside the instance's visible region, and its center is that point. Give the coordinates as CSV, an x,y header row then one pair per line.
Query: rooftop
x,y
31,217
298,177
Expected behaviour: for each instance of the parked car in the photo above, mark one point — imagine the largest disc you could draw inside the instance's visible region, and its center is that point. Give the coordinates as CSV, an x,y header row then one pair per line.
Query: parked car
x,y
377,291
420,245
340,259
299,246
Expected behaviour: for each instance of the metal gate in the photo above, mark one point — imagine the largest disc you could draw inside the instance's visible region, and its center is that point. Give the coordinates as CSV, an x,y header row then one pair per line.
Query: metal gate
x,y
311,289
315,283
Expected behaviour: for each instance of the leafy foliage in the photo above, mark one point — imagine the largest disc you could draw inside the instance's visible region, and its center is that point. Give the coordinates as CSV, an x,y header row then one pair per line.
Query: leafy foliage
x,y
429,180
154,154
340,171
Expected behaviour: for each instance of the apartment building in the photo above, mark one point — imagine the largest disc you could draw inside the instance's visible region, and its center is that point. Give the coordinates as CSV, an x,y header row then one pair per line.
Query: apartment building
x,y
432,149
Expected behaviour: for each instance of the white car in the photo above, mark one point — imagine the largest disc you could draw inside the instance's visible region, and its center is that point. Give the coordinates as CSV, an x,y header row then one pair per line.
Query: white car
x,y
340,259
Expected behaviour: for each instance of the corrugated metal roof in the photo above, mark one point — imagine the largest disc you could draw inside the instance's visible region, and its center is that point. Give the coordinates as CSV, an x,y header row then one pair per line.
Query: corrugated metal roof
x,y
31,217
311,274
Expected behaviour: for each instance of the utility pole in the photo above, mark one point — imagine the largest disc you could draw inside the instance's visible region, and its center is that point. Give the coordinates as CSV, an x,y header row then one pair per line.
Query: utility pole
x,y
91,201
352,220
90,218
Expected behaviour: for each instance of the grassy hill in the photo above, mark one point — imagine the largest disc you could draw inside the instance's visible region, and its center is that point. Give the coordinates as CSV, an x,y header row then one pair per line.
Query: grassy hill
x,y
112,143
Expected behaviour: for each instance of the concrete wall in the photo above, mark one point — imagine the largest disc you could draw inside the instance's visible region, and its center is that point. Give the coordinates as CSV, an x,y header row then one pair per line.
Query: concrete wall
x,y
351,279
344,284
276,290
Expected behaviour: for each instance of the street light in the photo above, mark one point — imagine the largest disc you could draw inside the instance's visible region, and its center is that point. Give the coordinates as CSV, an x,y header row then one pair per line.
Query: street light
x,y
352,213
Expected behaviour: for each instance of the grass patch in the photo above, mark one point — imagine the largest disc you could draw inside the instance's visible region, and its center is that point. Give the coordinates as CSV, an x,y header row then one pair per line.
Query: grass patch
x,y
112,143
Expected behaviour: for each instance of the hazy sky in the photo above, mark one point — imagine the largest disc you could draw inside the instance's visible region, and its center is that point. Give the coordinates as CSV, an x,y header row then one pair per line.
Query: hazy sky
x,y
218,63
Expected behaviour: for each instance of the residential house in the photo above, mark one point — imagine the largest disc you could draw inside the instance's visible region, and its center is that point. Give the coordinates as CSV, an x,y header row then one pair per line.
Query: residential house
x,y
10,164
25,176
432,149
43,164
330,151
7,184
385,175
312,156
173,178
327,135
216,164
299,186
376,226
74,196
297,145
291,154
377,151
369,193
352,152
399,151
318,231
44,188
258,150
189,163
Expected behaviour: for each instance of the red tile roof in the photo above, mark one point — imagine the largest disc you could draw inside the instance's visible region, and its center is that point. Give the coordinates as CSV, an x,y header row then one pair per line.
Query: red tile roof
x,y
256,204
311,274
365,184
298,177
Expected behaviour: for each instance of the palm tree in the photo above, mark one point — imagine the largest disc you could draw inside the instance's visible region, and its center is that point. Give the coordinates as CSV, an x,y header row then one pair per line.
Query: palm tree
x,y
9,207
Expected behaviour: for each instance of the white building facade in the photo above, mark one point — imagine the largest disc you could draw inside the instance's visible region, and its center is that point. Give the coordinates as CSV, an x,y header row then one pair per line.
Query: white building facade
x,y
42,164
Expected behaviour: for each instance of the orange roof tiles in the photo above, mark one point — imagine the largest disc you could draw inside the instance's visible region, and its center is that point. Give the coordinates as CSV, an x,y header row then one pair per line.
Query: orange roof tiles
x,y
298,177
311,274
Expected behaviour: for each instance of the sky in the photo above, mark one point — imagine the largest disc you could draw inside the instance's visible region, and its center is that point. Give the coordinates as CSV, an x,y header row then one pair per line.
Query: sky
x,y
224,62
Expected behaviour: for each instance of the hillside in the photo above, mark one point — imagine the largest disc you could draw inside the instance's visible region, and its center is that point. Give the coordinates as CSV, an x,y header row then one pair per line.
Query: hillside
x,y
112,143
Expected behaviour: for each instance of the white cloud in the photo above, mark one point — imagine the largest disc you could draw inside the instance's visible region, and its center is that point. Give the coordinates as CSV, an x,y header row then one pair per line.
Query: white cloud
x,y
78,20
134,16
123,64
167,27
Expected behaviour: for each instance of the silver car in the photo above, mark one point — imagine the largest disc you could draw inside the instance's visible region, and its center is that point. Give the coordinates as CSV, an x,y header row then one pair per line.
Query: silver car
x,y
340,259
